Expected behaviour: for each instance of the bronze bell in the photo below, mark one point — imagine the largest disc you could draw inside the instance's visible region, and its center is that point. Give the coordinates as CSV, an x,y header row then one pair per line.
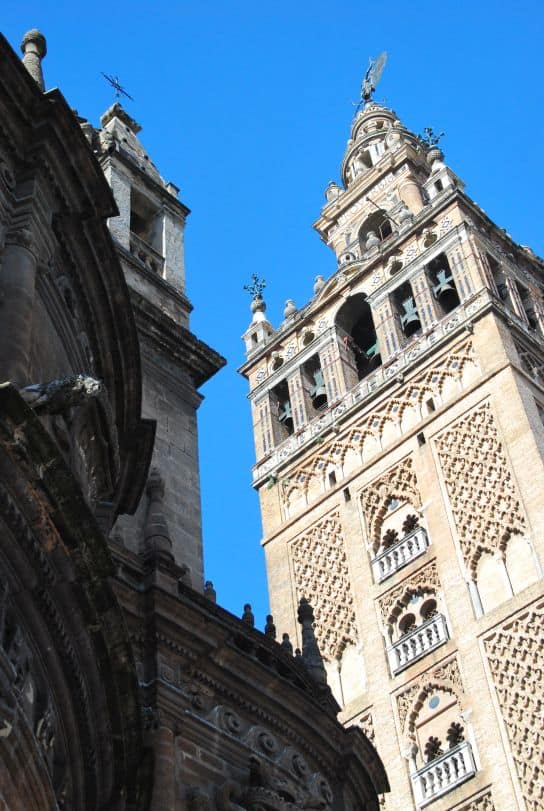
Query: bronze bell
x,y
409,320
318,392
444,284
285,414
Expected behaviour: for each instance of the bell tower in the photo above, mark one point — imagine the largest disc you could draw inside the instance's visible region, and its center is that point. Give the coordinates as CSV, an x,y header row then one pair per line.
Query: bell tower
x,y
149,236
398,422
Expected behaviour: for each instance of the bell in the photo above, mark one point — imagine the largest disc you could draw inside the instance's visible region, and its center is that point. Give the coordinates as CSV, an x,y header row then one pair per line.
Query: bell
x,y
445,291
444,284
285,414
318,392
409,320
372,355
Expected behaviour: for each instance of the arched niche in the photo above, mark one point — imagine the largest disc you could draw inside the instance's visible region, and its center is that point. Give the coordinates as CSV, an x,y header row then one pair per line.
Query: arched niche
x,y
492,581
355,326
375,229
520,564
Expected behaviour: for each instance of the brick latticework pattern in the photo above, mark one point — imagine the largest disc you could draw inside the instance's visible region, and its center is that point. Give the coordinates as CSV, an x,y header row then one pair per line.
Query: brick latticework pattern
x,y
483,495
514,653
399,483
445,677
321,575
367,437
484,802
425,580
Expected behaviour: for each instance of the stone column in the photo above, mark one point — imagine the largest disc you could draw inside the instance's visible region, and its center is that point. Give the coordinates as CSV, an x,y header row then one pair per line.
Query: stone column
x,y
410,192
34,49
17,288
426,303
301,408
390,338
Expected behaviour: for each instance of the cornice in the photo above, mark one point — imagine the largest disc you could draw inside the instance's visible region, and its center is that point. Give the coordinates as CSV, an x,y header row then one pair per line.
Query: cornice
x,y
195,357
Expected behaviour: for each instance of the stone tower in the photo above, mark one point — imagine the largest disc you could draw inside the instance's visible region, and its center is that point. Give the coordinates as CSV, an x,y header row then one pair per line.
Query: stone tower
x,y
398,421
149,235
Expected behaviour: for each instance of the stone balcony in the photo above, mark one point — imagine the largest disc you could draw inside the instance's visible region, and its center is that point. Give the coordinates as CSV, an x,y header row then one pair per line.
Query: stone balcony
x,y
147,255
443,774
400,554
417,643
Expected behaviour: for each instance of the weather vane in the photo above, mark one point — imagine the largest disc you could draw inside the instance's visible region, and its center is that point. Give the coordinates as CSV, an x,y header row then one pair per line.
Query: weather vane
x,y
371,78
119,91
256,287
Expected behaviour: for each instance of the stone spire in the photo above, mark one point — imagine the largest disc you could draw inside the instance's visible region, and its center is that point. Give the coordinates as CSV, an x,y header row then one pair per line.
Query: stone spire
x,y
311,655
34,49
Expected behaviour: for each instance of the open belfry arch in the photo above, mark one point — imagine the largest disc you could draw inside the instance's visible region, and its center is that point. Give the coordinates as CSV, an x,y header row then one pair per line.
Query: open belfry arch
x,y
398,423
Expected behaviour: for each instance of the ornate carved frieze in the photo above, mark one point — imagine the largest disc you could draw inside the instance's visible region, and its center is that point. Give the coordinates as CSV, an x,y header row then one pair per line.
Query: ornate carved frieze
x,y
379,428
483,494
425,580
514,654
483,802
278,777
399,483
445,677
321,575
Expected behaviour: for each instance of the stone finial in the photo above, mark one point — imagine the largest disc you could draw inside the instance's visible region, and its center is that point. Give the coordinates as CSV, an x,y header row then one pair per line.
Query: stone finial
x,y
286,644
319,284
270,628
290,308
209,591
258,308
332,191
34,48
247,616
372,240
310,650
156,533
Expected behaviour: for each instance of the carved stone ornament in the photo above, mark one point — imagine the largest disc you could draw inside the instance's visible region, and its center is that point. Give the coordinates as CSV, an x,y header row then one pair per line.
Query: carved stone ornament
x,y
399,483
483,493
321,575
58,396
425,580
372,434
445,677
514,654
278,777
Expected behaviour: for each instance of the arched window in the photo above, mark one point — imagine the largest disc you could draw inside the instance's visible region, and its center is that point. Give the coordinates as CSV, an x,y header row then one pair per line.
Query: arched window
x,y
405,305
374,230
356,328
282,404
314,383
442,283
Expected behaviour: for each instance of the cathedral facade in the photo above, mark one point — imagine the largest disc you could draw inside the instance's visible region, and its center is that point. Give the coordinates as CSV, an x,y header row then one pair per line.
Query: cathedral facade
x,y
123,685
398,423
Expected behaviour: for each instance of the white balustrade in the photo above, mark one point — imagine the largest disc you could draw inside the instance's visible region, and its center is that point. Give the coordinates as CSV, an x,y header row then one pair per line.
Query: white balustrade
x,y
400,554
417,643
443,774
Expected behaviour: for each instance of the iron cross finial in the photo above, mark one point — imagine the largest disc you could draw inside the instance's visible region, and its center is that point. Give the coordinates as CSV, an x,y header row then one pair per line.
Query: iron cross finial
x,y
256,287
118,89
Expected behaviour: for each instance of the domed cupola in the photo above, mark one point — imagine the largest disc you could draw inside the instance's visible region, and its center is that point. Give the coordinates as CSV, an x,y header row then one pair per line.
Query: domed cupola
x,y
375,131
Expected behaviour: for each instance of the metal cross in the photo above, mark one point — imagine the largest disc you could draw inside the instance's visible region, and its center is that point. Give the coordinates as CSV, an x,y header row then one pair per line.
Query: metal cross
x,y
114,81
256,287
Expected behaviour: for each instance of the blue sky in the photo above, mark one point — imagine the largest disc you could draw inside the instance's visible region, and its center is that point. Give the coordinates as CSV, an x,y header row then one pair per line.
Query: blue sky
x,y
247,108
